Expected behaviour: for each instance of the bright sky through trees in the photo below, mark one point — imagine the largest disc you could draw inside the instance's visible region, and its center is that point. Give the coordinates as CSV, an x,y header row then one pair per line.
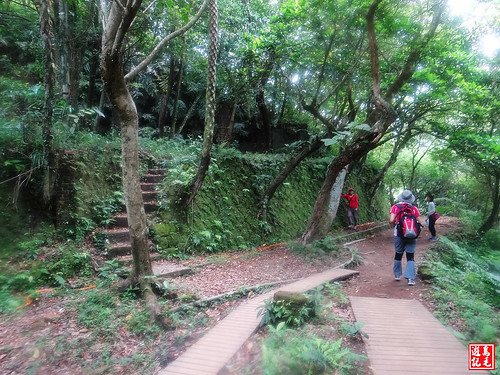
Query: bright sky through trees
x,y
483,15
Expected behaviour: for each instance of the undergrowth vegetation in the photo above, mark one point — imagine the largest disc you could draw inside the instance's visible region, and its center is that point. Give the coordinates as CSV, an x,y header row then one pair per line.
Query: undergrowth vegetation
x,y
466,284
226,212
312,339
289,352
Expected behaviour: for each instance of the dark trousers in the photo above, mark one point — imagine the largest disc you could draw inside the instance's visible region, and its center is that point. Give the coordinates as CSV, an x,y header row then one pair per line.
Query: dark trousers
x,y
352,216
432,226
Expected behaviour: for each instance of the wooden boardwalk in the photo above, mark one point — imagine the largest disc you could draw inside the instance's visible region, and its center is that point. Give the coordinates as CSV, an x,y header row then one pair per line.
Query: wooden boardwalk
x,y
406,339
209,354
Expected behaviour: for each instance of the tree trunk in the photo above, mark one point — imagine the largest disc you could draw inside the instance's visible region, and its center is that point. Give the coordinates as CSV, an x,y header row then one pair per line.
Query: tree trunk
x,y
210,104
94,59
164,113
305,152
335,195
69,52
177,95
50,167
126,115
317,226
265,117
62,30
377,181
493,218
116,25
224,122
189,113
93,75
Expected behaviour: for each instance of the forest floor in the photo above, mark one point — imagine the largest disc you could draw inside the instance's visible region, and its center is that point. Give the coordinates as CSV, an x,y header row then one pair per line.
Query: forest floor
x,y
48,336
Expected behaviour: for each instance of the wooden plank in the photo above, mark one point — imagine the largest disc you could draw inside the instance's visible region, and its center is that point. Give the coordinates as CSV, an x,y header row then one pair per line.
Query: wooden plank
x,y
232,331
405,338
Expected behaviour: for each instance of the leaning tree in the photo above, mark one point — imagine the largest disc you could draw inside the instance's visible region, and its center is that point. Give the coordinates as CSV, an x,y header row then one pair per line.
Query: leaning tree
x,y
381,113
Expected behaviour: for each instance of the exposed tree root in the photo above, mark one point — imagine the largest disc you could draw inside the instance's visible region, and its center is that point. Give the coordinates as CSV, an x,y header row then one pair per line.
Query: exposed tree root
x,y
219,297
154,307
149,290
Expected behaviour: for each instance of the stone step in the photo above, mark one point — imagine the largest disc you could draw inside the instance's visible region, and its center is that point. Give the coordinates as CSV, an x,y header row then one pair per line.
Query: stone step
x,y
119,249
126,260
149,195
160,171
153,178
150,207
147,186
120,220
165,268
117,235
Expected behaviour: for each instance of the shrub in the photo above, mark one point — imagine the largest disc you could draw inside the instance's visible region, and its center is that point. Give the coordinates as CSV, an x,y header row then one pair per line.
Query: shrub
x,y
492,238
292,314
293,353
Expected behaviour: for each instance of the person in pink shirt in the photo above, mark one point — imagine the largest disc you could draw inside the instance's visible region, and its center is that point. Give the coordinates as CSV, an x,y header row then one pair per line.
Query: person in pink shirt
x,y
352,209
402,245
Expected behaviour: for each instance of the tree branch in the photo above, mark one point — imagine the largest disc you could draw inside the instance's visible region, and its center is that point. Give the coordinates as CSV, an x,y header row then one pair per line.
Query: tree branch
x,y
322,72
373,48
410,64
144,63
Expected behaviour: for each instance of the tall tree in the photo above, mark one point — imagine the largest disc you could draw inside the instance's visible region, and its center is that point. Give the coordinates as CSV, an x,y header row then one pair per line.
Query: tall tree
x,y
50,172
210,106
117,22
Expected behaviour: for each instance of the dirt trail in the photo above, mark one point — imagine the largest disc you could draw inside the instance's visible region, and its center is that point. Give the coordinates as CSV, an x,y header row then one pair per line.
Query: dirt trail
x,y
375,273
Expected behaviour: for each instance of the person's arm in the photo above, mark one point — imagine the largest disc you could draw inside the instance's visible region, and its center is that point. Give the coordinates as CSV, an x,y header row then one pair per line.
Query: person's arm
x,y
392,220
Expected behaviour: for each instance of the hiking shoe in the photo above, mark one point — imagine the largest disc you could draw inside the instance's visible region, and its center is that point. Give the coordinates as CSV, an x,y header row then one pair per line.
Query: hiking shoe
x,y
397,278
411,281
433,239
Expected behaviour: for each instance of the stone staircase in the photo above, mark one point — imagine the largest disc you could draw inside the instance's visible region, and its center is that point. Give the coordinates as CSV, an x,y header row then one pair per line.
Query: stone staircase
x,y
117,234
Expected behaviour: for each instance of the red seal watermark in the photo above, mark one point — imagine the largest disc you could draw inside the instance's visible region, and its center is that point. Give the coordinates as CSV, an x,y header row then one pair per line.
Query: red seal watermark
x,y
482,356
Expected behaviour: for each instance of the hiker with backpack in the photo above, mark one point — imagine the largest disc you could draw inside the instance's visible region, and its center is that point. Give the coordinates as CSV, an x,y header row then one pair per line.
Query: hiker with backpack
x,y
352,208
405,217
432,216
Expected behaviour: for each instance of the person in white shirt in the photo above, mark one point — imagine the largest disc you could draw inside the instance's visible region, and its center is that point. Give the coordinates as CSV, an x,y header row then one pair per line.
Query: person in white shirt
x,y
431,217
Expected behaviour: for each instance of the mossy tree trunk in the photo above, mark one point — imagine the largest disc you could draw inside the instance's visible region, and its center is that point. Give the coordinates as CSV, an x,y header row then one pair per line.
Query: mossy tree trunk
x,y
318,222
493,217
210,105
49,160
224,121
307,150
189,113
